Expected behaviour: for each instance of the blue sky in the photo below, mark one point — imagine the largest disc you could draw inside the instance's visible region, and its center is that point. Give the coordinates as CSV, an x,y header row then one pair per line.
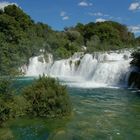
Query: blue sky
x,y
62,13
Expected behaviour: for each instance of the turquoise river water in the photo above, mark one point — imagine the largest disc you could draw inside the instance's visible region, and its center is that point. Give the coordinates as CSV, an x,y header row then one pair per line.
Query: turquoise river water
x,y
98,114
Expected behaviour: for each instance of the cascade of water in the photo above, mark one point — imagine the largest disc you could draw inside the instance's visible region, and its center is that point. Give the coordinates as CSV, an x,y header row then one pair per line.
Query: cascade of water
x,y
109,68
39,65
87,66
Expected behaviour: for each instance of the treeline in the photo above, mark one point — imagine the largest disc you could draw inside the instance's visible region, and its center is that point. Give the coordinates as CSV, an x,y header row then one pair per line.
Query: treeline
x,y
22,38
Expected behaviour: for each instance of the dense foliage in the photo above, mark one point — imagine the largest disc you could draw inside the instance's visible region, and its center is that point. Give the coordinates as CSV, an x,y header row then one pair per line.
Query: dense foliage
x,y
106,35
134,77
4,98
22,38
138,41
136,58
45,97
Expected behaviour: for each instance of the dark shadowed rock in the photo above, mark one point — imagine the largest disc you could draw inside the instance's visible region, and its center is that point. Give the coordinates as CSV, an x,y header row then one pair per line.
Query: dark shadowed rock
x,y
134,80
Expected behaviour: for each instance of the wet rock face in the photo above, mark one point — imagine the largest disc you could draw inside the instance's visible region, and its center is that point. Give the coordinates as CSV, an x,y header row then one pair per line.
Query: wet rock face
x,y
134,80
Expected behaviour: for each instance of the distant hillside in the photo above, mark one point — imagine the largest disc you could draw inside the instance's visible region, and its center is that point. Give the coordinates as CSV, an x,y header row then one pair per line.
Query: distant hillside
x,y
22,38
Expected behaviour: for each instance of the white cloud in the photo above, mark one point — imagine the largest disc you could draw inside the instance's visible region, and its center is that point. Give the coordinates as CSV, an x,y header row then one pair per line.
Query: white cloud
x,y
101,16
85,4
134,6
4,4
96,14
100,20
135,29
65,18
62,13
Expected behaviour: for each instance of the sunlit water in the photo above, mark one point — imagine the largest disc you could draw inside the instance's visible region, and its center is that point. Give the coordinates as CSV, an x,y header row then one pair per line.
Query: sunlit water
x,y
98,114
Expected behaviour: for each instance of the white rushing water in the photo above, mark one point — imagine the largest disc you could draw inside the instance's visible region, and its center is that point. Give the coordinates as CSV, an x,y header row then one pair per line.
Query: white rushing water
x,y
85,70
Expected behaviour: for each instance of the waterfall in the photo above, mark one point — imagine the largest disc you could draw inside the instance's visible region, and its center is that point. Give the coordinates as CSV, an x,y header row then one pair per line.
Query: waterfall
x,y
109,68
39,65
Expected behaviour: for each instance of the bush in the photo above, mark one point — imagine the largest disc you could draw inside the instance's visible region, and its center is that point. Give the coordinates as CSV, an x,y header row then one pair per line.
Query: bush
x,y
47,98
18,106
4,112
